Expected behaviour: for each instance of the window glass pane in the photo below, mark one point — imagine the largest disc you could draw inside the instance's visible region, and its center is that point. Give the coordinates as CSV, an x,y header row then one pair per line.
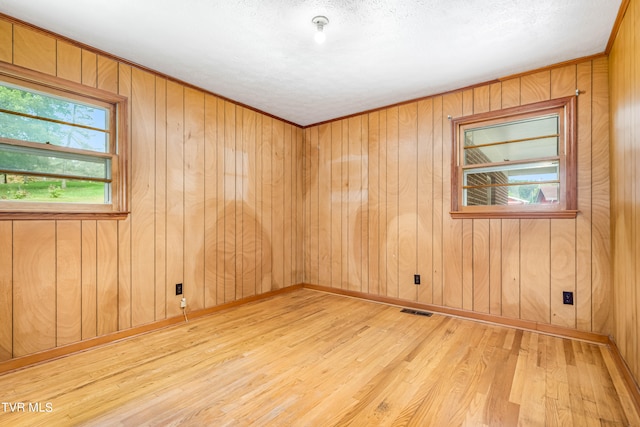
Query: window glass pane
x,y
512,195
34,130
34,103
523,150
26,159
22,188
521,129
530,183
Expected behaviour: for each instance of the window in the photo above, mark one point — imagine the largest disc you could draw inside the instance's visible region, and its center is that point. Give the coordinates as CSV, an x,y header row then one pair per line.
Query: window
x,y
518,162
62,148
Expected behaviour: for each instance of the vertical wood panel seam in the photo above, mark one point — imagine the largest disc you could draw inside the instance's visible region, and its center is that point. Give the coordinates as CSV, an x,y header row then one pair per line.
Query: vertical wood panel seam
x,y
520,233
13,270
433,192
550,267
155,200
317,195
56,272
166,168
184,175
81,279
473,224
417,134
349,189
397,161
591,68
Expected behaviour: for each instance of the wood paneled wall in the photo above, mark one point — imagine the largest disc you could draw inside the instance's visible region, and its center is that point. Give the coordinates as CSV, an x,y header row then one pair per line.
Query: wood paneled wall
x,y
625,190
215,201
377,201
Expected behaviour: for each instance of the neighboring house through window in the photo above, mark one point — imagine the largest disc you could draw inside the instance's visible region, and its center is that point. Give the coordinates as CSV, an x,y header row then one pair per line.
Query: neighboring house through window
x,y
517,162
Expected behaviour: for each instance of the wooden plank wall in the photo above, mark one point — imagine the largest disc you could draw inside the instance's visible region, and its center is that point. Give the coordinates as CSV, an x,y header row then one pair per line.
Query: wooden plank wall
x,y
215,189
625,190
377,201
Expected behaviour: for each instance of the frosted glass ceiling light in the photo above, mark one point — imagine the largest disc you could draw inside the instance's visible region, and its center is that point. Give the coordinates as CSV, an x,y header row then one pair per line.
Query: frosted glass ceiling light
x,y
320,22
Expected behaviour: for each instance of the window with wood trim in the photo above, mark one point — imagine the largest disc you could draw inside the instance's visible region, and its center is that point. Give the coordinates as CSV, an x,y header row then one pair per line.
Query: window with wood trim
x,y
62,148
518,162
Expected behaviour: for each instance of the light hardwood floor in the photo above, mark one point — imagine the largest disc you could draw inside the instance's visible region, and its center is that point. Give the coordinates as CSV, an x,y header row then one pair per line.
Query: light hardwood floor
x,y
308,358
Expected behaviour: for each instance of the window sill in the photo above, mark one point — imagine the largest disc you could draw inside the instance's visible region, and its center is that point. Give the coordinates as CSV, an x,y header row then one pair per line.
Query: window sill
x,y
62,215
564,214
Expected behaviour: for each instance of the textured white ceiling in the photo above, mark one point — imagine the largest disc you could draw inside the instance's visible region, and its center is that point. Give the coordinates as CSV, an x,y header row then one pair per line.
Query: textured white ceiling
x,y
377,52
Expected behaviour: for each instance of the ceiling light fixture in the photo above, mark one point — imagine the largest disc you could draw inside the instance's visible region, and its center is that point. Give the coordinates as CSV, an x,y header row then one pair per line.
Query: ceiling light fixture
x,y
320,22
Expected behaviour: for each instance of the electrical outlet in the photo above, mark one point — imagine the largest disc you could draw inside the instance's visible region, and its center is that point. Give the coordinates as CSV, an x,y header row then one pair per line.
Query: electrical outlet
x,y
567,298
178,288
416,279
183,303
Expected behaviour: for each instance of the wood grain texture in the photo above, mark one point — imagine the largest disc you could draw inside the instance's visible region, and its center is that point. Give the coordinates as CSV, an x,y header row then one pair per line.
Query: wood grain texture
x,y
194,197
439,208
392,222
34,286
142,197
425,206
511,93
180,216
354,202
90,68
324,205
229,275
34,50
481,265
535,87
384,367
218,257
268,251
160,203
364,238
373,206
68,282
495,266
583,222
623,72
452,229
175,194
6,41
69,61
124,227
407,200
563,271
107,78
107,277
511,268
238,201
336,204
277,198
383,196
535,259
89,264
6,292
287,207
211,200
249,247
600,191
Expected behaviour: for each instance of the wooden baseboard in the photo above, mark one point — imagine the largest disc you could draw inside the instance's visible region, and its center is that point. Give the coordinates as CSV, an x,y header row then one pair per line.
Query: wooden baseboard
x,y
489,318
58,352
627,375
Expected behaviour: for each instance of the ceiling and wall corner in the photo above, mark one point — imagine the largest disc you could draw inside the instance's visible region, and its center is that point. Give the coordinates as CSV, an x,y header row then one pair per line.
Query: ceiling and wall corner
x,y
377,53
